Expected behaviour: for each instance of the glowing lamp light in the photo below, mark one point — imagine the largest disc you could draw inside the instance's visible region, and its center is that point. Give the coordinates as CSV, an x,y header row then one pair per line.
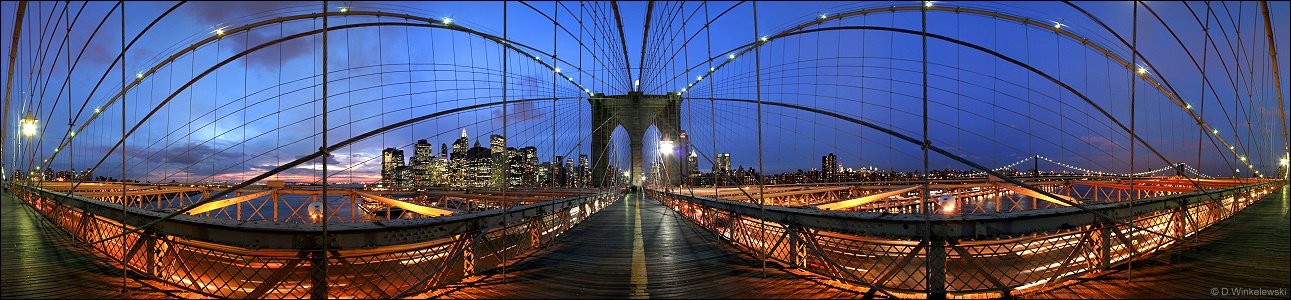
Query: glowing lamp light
x,y
711,69
732,56
1188,106
824,16
557,70
138,75
683,90
665,147
698,78
1285,161
344,9
447,21
1057,25
96,110
1142,71
764,38
627,173
29,125
927,4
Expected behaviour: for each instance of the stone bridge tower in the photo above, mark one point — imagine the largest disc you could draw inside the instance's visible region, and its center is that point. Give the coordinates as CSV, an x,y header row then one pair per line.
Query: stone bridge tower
x,y
635,112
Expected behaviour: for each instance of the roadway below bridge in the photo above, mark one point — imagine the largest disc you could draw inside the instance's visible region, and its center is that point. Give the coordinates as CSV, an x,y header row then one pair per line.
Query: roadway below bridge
x,y
638,248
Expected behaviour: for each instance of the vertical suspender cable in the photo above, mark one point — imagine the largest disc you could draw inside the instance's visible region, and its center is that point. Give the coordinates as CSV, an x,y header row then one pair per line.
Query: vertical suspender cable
x,y
320,288
70,124
1134,56
711,93
757,61
123,144
933,288
504,134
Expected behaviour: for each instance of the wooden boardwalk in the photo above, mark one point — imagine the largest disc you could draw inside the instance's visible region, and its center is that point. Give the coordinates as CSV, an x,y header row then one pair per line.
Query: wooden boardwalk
x,y
603,258
1250,250
606,257
39,260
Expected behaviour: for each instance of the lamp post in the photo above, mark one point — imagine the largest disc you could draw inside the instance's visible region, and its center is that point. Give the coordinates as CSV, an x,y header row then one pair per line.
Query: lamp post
x,y
29,125
665,148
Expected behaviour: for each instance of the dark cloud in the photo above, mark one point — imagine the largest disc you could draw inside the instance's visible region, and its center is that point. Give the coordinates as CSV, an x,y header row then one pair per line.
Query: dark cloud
x,y
191,154
331,160
236,13
520,112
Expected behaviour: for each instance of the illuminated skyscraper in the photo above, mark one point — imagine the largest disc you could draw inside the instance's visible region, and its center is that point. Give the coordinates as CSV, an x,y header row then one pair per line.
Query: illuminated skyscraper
x,y
461,146
829,164
422,157
722,163
692,163
391,160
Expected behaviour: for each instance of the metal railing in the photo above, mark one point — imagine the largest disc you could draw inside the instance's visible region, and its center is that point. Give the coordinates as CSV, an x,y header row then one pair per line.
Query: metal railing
x,y
973,255
235,259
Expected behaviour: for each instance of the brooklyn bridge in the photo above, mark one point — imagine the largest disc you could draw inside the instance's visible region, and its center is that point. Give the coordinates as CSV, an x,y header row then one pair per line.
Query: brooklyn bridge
x,y
569,149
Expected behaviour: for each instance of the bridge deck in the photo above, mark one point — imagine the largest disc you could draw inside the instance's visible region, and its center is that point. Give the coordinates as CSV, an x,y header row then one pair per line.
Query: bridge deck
x,y
1250,250
41,261
603,258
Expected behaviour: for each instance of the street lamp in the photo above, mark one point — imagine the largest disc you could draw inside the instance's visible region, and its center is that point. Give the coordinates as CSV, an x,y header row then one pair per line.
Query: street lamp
x,y
29,125
665,148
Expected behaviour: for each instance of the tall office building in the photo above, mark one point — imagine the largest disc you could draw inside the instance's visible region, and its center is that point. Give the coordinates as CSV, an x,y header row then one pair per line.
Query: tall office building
x,y
497,145
684,147
692,163
530,156
584,170
443,150
422,156
391,160
460,146
829,164
722,163
498,154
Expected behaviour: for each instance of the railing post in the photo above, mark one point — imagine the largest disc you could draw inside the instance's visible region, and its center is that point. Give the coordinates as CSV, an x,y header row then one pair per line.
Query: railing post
x,y
150,251
318,270
936,273
797,253
1103,243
